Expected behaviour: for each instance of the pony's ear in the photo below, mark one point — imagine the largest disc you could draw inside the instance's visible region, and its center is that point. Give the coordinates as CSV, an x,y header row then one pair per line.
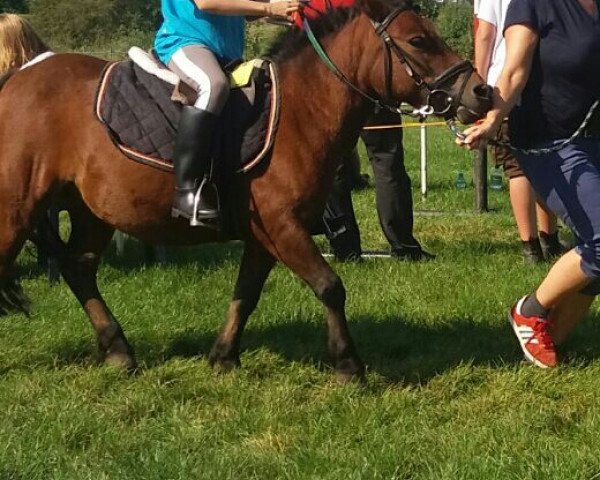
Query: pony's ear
x,y
376,9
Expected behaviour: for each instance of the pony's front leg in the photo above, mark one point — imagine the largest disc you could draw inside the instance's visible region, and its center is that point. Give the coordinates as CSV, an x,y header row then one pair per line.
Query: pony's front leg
x,y
255,267
294,247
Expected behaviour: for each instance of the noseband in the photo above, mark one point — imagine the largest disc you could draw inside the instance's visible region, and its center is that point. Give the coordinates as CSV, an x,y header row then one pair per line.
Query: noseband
x,y
439,100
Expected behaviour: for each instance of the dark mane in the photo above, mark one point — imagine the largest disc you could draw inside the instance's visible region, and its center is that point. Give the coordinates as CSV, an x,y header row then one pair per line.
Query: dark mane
x,y
292,41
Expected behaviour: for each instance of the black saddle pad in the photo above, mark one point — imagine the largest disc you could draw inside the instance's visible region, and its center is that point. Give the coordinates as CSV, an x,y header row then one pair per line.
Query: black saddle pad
x,y
141,118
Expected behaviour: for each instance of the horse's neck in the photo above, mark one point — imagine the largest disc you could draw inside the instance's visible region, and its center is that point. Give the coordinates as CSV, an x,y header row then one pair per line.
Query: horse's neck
x,y
329,112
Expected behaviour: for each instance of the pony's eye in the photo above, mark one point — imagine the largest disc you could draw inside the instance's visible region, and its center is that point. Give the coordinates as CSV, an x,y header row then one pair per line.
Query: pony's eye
x,y
418,42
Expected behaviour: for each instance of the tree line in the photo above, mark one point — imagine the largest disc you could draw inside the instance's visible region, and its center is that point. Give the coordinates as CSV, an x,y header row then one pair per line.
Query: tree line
x,y
102,25
90,24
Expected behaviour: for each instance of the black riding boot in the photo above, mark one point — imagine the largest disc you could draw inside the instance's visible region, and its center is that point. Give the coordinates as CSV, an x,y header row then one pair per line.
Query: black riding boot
x,y
194,199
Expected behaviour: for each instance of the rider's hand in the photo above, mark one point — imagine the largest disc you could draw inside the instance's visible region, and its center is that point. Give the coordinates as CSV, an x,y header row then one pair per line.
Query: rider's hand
x,y
284,9
479,134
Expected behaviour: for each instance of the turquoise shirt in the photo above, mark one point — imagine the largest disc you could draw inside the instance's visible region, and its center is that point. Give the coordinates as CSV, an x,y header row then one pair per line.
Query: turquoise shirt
x,y
184,24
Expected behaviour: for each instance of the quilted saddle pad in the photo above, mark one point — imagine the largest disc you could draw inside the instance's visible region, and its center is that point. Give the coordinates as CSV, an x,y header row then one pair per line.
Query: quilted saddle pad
x,y
141,118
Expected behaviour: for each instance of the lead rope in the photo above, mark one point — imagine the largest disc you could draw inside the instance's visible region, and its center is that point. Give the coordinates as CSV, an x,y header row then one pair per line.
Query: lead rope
x,y
532,151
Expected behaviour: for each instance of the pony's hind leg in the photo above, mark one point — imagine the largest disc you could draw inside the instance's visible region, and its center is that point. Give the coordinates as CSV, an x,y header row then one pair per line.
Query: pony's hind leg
x,y
79,263
295,248
254,269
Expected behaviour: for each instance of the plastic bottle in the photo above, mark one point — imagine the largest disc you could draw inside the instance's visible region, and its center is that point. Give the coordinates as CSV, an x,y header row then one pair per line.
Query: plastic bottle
x,y
460,182
496,179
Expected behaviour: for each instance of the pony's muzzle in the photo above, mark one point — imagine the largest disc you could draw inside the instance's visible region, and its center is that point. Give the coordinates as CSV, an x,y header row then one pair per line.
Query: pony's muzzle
x,y
484,94
481,103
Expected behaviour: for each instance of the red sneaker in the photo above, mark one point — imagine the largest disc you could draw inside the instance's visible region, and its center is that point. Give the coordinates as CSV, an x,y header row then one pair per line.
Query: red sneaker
x,y
533,336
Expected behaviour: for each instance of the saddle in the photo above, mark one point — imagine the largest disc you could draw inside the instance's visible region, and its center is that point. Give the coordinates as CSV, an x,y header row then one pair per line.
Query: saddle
x,y
139,102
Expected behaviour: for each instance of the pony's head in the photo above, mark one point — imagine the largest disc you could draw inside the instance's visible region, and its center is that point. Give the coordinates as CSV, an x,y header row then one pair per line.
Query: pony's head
x,y
405,59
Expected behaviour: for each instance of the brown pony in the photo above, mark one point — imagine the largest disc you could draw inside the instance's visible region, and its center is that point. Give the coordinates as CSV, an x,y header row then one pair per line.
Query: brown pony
x,y
54,149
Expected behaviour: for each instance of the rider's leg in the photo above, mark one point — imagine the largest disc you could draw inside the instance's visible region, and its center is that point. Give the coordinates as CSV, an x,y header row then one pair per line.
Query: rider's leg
x,y
198,67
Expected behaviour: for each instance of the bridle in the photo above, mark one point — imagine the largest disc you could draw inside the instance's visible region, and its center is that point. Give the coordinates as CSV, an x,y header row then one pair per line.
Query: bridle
x,y
439,101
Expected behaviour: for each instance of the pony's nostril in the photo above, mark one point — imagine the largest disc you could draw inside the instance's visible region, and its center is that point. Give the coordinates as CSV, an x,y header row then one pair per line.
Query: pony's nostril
x,y
483,91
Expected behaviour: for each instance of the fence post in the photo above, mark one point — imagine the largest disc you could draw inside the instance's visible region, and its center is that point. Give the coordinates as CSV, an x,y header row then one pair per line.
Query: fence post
x,y
120,242
480,180
423,129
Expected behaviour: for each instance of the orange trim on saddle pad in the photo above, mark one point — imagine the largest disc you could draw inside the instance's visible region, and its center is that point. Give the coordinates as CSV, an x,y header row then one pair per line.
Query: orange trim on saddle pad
x,y
273,122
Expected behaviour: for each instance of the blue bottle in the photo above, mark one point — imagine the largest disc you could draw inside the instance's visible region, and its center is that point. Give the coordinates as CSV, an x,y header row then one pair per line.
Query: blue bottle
x,y
460,182
496,179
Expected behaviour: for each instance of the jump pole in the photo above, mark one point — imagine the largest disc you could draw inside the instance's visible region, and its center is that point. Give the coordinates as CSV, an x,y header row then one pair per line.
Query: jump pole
x,y
423,129
480,180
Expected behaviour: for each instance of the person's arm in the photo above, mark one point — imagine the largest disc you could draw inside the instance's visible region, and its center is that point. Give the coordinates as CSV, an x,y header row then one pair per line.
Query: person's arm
x,y
484,47
249,8
521,41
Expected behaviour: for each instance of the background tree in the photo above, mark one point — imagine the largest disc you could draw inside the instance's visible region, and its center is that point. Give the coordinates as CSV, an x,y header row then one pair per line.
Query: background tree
x,y
13,6
95,24
114,25
454,23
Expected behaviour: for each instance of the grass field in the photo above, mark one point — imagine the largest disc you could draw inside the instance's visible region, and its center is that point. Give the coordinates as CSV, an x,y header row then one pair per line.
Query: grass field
x,y
448,396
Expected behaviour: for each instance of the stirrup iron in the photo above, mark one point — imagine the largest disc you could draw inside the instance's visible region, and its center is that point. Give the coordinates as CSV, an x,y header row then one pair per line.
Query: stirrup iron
x,y
198,219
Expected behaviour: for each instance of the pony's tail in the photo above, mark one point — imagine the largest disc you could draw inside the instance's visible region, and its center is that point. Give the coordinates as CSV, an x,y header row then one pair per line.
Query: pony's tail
x,y
47,240
12,298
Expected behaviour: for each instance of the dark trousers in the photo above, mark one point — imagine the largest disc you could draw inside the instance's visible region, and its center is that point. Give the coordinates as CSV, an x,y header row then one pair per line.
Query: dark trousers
x,y
392,191
341,228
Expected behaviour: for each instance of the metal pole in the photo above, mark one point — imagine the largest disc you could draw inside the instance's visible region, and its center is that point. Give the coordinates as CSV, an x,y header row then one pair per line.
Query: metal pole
x,y
120,243
480,180
423,160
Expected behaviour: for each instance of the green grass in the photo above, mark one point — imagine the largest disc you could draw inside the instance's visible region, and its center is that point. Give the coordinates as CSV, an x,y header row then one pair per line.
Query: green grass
x,y
448,396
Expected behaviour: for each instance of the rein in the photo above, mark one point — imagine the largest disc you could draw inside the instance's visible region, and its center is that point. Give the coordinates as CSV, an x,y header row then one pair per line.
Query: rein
x,y
439,101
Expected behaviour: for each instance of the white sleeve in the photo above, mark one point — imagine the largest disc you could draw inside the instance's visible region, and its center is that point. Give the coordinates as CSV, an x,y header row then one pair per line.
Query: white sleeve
x,y
488,11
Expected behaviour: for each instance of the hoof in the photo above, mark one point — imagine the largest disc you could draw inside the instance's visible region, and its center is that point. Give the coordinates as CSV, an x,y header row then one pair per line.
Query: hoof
x,y
122,361
223,357
223,364
344,378
350,371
